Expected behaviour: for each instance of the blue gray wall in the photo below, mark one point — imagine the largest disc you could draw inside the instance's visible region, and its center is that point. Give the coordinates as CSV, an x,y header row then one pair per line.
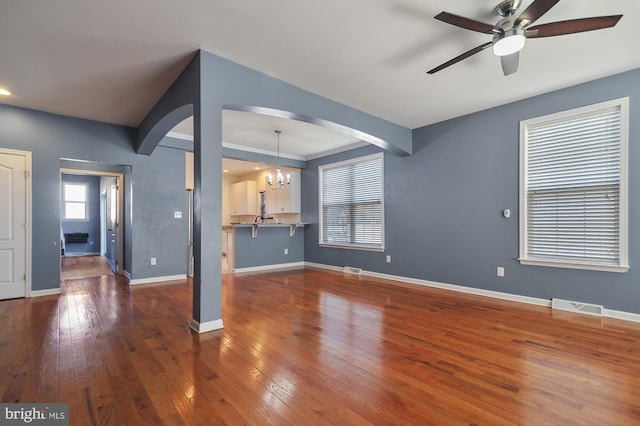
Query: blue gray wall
x,y
443,205
90,226
159,189
53,137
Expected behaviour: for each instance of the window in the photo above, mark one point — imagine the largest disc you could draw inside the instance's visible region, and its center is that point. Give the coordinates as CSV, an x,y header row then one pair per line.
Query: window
x,y
352,203
76,206
573,188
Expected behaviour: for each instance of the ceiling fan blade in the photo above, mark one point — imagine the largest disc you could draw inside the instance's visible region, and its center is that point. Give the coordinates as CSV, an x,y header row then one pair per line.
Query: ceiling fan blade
x,y
572,26
465,55
468,24
533,12
510,63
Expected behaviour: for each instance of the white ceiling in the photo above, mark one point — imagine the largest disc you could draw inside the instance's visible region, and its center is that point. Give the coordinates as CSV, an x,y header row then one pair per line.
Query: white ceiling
x,y
256,133
111,60
233,167
251,132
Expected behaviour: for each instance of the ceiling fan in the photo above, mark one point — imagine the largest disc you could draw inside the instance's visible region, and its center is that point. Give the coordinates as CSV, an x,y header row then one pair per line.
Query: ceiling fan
x,y
510,33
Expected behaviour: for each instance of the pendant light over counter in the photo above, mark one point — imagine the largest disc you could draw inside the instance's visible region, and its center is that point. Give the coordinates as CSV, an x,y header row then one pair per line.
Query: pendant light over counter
x,y
281,181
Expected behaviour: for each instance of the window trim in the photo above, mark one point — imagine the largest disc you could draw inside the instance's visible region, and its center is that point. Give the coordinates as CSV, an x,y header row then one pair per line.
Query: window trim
x,y
351,246
623,261
86,202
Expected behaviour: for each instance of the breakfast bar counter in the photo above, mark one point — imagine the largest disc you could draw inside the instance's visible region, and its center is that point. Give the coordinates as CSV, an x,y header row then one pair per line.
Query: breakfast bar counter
x,y
268,245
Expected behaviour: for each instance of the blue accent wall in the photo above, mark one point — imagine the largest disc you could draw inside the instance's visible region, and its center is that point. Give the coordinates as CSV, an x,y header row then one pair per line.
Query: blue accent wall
x,y
159,191
51,138
444,203
90,226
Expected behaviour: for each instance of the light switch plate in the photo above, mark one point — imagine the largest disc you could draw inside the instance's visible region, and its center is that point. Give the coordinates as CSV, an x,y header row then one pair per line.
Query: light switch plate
x,y
177,214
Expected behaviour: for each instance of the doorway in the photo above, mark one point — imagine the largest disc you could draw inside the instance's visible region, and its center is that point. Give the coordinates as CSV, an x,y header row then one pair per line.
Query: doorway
x,y
91,216
15,223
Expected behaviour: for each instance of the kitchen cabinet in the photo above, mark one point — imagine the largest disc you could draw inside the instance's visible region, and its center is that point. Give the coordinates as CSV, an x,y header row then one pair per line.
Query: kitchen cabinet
x,y
285,200
243,198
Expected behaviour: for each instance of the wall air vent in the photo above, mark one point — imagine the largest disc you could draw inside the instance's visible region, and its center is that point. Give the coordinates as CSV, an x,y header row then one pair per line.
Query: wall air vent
x,y
579,307
351,270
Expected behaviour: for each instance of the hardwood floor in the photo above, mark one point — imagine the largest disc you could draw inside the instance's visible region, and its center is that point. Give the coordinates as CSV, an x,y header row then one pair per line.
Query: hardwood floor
x,y
315,347
84,267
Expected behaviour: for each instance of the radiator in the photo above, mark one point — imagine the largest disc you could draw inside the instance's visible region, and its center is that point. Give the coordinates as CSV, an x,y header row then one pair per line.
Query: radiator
x,y
76,238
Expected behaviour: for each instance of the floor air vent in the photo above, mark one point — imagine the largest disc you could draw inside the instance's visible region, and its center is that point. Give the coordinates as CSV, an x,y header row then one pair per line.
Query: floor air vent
x,y
351,270
579,307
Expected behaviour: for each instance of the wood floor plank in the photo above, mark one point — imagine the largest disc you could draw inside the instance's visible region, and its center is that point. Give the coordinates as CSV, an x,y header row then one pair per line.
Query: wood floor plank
x,y
320,405
309,346
74,267
201,387
123,410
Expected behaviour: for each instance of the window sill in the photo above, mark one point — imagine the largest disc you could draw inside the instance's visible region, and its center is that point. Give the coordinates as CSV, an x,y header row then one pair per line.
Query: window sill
x,y
574,265
351,247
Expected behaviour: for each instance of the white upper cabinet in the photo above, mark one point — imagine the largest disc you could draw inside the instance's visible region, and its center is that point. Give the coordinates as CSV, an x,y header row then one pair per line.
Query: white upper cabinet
x,y
286,200
242,198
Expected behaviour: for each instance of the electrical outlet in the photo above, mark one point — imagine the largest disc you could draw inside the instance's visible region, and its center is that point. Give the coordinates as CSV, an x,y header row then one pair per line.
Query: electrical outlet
x,y
153,260
500,271
177,214
388,258
286,251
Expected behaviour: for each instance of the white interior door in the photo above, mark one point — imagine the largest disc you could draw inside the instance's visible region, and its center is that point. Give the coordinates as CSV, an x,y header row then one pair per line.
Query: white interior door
x,y
13,224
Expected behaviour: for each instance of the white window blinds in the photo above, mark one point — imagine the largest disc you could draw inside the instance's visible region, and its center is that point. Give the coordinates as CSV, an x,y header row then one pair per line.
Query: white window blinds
x,y
573,188
352,203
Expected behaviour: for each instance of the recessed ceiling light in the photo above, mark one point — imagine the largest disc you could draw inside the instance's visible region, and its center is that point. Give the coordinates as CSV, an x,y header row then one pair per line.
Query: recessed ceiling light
x,y
4,92
226,171
256,168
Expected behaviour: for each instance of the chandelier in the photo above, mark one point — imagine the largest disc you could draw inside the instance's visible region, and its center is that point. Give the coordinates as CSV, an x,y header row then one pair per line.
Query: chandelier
x,y
281,180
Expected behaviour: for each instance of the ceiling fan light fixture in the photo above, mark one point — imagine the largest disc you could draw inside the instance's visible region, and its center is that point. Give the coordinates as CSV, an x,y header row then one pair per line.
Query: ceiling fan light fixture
x,y
510,42
511,32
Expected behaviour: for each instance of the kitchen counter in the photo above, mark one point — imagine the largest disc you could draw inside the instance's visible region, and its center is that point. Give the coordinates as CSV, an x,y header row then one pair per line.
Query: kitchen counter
x,y
260,246
257,225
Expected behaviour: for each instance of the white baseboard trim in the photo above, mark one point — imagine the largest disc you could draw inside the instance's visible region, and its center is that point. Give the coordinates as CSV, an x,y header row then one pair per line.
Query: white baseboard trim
x,y
462,289
205,327
264,268
609,313
323,266
156,279
443,286
126,274
47,292
626,316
